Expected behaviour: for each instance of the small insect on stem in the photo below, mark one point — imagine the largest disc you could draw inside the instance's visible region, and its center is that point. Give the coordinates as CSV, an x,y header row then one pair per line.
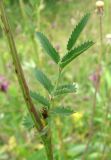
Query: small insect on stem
x,y
16,71
44,113
27,99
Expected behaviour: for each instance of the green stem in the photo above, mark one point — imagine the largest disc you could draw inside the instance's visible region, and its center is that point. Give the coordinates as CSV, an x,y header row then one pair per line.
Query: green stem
x,y
35,47
60,138
58,79
32,36
58,126
52,98
21,3
47,140
20,75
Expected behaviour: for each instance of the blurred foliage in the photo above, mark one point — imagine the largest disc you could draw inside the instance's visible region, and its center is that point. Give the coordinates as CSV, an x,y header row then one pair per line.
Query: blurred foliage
x,y
56,19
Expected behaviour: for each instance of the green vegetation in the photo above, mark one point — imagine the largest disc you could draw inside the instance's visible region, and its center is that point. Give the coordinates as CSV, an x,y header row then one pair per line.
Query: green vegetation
x,y
68,115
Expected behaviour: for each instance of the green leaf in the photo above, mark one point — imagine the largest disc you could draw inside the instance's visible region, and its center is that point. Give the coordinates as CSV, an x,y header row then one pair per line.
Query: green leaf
x,y
48,47
36,96
63,89
42,78
74,53
28,122
63,111
77,31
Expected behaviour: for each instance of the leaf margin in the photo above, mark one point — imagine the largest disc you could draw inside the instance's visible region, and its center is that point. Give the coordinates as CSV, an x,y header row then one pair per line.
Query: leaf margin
x,y
77,31
47,46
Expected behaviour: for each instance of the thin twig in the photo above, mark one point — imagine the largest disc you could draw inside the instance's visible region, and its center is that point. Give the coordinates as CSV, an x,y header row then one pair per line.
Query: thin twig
x,y
20,75
97,87
18,68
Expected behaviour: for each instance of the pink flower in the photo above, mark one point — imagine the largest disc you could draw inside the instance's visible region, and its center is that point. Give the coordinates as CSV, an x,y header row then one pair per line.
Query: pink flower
x,y
95,77
3,84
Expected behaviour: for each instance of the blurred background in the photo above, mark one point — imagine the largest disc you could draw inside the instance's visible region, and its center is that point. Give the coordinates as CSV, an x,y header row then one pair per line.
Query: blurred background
x,y
71,135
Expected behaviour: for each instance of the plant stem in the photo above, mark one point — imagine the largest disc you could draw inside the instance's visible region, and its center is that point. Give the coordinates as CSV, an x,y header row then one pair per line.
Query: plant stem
x,y
18,68
58,79
97,86
20,75
47,140
62,150
32,36
58,125
21,4
60,138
